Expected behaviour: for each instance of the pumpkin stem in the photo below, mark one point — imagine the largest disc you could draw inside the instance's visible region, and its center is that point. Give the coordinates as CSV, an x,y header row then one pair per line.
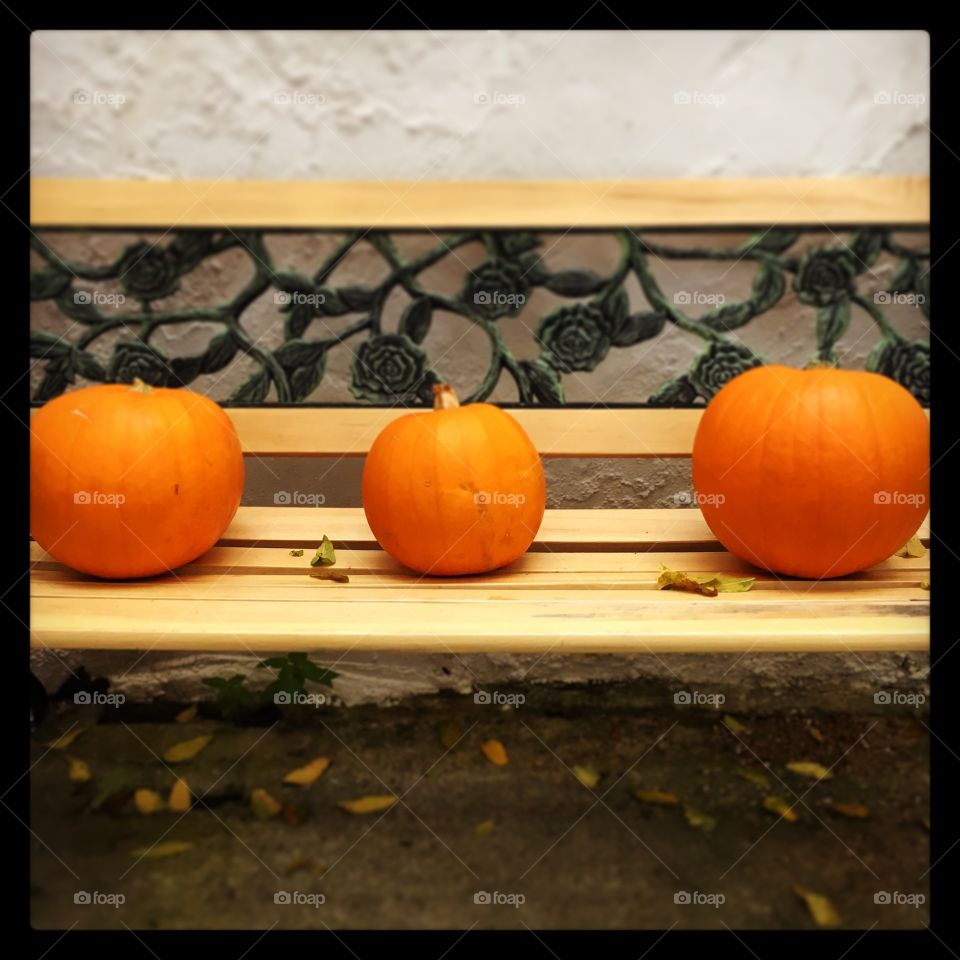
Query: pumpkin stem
x,y
138,386
444,397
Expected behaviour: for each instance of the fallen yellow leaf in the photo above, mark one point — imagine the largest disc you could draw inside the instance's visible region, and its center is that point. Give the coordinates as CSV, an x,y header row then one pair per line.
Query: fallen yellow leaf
x,y
186,749
169,848
64,740
821,909
733,724
586,775
187,714
263,805
780,806
148,801
806,768
912,548
179,799
495,752
304,776
856,811
483,828
372,804
698,820
79,770
752,776
662,798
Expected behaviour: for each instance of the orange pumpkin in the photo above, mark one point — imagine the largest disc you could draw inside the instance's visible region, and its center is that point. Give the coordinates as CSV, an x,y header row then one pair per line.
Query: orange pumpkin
x,y
454,490
130,481
812,473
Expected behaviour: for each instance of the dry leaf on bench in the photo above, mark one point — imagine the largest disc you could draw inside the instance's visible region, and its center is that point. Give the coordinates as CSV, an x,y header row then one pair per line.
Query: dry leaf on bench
x,y
372,804
912,548
325,555
186,749
148,801
169,848
706,584
304,776
296,553
806,768
495,752
821,909
662,798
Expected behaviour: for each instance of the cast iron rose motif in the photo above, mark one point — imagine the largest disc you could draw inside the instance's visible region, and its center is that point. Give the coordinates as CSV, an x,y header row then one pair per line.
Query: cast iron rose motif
x,y
825,276
496,288
719,364
576,337
148,272
133,359
907,362
390,367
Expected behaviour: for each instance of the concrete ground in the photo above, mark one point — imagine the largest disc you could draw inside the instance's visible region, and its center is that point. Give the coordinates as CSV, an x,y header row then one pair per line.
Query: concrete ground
x,y
546,849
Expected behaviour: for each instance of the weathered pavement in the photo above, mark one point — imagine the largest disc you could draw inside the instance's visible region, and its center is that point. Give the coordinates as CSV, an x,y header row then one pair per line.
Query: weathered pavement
x,y
578,858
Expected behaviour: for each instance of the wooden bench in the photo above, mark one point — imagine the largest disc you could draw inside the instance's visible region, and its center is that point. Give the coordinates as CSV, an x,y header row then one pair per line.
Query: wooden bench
x,y
588,583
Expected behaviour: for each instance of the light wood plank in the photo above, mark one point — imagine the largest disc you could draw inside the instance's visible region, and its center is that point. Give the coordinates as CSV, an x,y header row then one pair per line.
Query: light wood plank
x,y
570,432
493,203
514,626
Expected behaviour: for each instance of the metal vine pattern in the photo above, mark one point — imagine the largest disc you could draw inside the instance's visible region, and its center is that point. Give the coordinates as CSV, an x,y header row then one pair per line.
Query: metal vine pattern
x,y
394,368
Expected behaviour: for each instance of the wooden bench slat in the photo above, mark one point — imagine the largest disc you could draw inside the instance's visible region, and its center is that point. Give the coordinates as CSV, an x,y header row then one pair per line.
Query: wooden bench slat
x,y
570,432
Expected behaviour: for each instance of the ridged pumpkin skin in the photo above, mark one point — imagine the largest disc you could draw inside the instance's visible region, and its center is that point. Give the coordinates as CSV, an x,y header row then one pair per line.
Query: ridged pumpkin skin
x,y
812,473
172,456
454,491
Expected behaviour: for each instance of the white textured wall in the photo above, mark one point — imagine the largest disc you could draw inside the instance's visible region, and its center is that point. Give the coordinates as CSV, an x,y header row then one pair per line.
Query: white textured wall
x,y
405,105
